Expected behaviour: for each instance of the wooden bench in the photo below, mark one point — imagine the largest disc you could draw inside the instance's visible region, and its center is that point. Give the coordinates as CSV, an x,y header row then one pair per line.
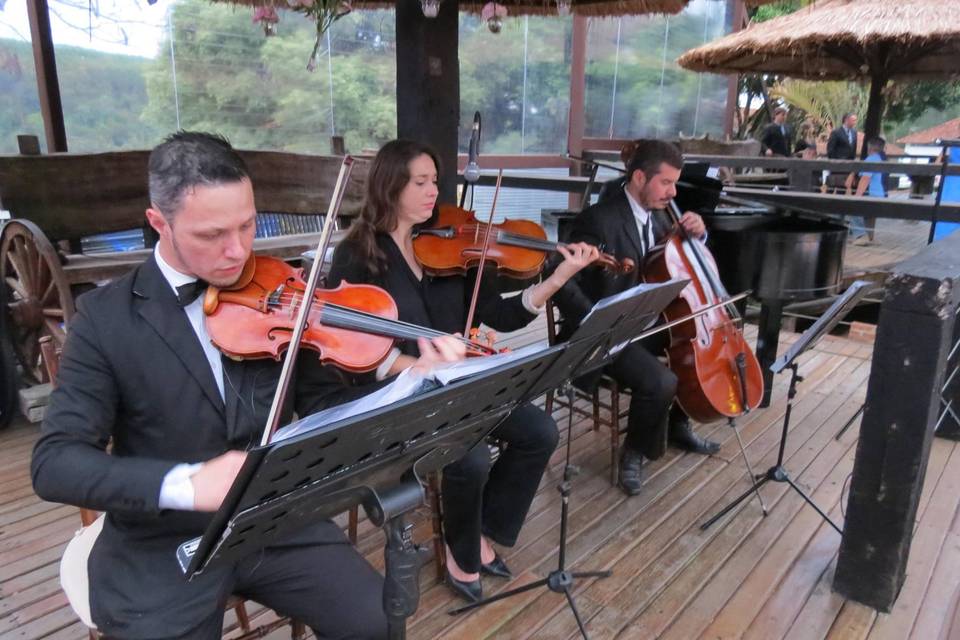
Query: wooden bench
x,y
57,200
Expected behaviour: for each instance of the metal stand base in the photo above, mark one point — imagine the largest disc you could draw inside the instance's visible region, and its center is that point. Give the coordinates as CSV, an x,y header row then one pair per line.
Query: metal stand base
x,y
559,580
776,473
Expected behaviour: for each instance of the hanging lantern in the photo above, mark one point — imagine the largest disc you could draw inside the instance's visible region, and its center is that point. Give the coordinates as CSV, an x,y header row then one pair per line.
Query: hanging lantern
x,y
494,14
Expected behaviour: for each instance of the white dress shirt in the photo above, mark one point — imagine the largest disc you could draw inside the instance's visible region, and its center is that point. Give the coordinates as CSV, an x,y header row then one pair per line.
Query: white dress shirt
x,y
641,215
176,492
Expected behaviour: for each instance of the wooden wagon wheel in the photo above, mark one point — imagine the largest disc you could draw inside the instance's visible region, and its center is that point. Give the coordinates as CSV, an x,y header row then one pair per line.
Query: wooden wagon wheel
x,y
38,296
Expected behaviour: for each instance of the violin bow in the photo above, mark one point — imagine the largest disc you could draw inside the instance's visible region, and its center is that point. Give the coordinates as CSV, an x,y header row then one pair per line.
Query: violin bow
x,y
483,257
336,199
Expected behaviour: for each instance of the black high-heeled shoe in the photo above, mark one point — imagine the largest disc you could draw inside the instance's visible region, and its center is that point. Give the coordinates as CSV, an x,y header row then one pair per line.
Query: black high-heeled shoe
x,y
497,567
470,591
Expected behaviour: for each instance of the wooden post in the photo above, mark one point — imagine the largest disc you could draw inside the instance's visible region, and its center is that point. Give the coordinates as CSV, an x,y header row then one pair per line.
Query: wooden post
x,y
914,338
428,83
737,13
576,122
48,88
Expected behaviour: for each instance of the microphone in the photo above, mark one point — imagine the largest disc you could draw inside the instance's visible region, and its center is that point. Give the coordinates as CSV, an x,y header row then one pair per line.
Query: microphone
x,y
472,171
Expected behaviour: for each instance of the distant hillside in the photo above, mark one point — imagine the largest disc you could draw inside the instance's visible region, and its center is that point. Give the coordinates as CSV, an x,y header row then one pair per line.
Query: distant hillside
x,y
103,96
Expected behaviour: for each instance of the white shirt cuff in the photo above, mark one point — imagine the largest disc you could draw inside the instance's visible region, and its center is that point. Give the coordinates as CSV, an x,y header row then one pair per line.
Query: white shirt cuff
x,y
383,371
528,304
176,492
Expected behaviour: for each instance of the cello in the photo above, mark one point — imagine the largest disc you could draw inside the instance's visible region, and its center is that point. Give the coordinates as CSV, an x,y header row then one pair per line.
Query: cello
x,y
718,375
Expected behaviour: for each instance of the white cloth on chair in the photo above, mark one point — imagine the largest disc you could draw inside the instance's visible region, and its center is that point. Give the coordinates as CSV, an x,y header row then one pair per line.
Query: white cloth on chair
x,y
74,575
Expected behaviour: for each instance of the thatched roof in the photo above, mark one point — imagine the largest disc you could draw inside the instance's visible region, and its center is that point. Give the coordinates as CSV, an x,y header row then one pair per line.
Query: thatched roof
x,y
949,130
838,39
528,7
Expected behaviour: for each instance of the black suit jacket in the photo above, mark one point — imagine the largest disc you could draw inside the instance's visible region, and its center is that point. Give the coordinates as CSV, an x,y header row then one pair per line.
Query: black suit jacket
x,y
134,373
609,224
839,147
775,139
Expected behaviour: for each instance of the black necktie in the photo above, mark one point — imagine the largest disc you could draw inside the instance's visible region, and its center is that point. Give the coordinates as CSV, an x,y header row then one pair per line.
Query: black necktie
x,y
645,233
187,293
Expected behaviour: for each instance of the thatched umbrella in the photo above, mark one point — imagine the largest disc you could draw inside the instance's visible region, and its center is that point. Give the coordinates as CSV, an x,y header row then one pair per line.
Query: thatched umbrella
x,y
845,39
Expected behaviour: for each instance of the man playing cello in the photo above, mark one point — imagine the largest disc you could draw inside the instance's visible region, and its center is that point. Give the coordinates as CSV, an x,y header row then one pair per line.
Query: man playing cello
x,y
628,224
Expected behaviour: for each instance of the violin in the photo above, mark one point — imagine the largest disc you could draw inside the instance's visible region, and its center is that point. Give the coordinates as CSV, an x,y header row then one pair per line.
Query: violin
x,y
352,326
518,247
718,374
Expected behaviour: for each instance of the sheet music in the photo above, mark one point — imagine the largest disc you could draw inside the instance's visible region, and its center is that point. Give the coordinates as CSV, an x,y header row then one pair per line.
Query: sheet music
x,y
406,385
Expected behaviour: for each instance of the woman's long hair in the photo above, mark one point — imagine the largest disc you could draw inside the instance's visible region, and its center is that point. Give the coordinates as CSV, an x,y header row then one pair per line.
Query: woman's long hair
x,y
388,176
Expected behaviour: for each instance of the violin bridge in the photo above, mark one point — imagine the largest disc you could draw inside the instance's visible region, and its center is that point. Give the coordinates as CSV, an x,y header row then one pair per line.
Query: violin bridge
x,y
275,297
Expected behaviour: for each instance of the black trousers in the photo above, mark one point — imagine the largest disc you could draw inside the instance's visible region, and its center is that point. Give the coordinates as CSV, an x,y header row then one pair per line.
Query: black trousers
x,y
493,501
653,387
329,587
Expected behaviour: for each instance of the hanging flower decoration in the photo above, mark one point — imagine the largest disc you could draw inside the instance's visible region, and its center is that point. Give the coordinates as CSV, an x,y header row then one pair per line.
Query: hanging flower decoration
x,y
268,18
323,13
494,14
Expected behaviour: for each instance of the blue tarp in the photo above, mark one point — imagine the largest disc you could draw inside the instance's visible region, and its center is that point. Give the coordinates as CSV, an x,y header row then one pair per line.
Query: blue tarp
x,y
951,193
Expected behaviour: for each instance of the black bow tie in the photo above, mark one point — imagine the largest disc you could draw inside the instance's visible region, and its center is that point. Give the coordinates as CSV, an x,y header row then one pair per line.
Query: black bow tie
x,y
187,293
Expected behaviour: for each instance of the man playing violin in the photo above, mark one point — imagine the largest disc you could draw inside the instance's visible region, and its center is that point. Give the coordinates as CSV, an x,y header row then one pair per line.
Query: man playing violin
x,y
628,224
482,505
139,373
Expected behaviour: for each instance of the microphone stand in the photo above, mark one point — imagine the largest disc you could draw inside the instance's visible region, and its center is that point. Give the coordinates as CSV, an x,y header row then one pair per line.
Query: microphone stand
x,y
471,173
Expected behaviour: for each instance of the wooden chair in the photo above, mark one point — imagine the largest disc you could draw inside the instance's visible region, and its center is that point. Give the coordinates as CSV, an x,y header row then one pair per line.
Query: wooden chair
x,y
51,361
612,409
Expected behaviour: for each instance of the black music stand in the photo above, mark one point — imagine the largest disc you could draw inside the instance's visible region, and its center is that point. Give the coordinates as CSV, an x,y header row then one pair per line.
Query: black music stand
x,y
374,459
612,324
824,324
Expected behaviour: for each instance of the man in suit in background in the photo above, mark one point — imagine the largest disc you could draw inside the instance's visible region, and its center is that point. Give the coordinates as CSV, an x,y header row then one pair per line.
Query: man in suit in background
x,y
139,371
842,145
628,224
775,139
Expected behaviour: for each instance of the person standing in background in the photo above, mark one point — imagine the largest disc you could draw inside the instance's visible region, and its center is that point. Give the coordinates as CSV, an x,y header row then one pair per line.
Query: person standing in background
x,y
871,184
775,139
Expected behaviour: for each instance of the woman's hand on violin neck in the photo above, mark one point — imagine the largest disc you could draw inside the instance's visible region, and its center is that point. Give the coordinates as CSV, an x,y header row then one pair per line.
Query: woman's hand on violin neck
x,y
576,256
213,480
437,351
693,224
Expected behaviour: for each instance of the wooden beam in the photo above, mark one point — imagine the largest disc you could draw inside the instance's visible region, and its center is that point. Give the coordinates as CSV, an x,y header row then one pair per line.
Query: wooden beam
x,y
816,203
428,83
914,337
736,13
576,123
821,203
781,163
515,161
48,87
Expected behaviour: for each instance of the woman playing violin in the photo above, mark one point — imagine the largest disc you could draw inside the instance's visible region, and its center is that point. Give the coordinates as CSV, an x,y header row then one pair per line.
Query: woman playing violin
x,y
481,504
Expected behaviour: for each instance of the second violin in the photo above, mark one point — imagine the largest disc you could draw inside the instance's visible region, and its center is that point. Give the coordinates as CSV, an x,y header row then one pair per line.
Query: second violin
x,y
518,247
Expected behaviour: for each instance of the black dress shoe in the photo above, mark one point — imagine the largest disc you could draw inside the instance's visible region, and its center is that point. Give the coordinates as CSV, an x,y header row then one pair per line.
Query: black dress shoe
x,y
469,591
683,436
497,567
631,471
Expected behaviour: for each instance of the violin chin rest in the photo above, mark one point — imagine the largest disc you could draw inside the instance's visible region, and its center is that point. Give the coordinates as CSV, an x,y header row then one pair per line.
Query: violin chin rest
x,y
211,300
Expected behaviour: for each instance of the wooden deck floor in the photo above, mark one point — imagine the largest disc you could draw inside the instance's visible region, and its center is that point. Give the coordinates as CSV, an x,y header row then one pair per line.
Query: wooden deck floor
x,y
748,576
